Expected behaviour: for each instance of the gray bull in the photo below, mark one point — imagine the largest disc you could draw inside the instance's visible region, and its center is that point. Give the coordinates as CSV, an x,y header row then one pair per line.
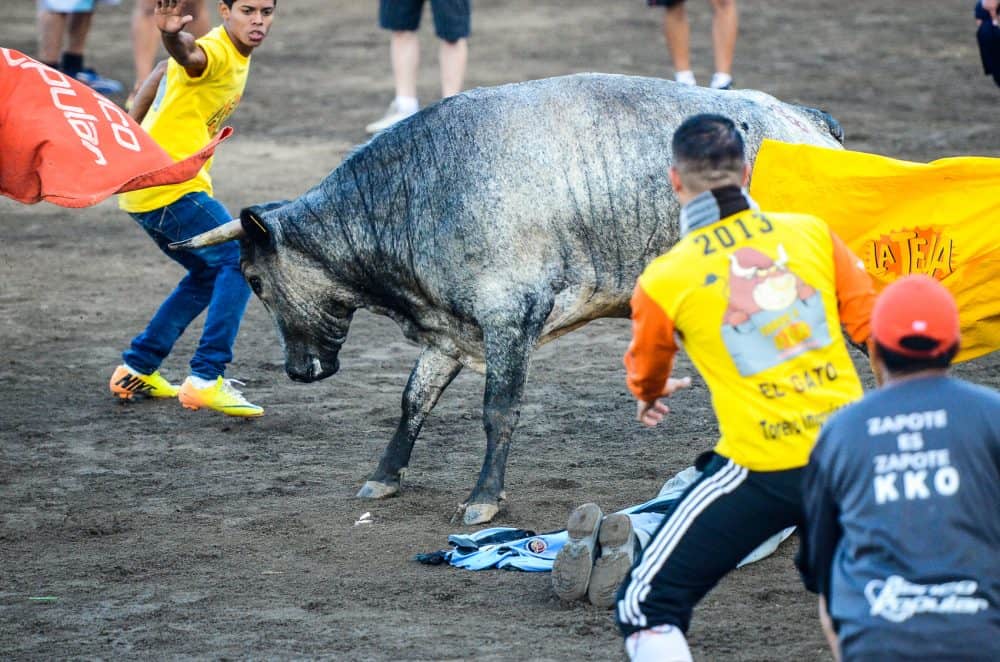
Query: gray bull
x,y
486,225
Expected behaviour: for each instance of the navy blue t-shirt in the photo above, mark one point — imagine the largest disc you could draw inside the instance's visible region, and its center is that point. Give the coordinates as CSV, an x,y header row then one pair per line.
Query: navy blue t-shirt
x,y
902,504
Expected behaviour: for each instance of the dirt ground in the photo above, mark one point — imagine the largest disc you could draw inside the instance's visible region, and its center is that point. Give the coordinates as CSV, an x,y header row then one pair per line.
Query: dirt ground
x,y
149,531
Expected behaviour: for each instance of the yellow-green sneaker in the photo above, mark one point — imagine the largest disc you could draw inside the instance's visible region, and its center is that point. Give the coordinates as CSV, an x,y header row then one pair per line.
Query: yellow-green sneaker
x,y
221,396
128,384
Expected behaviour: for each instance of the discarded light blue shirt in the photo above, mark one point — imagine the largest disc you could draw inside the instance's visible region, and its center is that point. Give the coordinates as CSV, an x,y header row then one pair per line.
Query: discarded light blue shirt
x,y
520,549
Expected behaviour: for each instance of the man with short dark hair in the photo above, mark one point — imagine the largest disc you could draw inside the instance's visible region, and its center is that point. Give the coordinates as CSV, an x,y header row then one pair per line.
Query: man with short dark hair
x,y
758,299
902,497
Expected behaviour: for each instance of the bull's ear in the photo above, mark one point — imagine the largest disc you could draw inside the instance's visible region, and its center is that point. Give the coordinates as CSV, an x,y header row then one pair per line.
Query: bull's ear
x,y
252,220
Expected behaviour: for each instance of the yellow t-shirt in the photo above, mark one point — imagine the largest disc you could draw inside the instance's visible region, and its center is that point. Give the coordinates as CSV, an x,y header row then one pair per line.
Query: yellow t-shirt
x,y
187,112
757,300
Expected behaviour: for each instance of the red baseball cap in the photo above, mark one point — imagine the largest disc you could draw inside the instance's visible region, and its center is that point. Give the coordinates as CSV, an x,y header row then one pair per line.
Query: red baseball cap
x,y
916,316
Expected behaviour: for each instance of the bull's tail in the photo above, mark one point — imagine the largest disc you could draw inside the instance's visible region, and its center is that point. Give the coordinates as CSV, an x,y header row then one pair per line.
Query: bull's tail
x,y
825,120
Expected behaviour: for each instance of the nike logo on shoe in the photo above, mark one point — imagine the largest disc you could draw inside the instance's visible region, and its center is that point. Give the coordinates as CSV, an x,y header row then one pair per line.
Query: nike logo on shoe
x,y
133,384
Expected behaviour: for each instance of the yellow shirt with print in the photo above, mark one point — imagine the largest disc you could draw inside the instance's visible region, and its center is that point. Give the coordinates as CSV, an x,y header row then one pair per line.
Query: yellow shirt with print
x,y
754,299
187,112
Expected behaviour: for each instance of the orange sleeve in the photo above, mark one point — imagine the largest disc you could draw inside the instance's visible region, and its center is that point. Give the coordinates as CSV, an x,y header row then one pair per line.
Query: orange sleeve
x,y
855,292
650,355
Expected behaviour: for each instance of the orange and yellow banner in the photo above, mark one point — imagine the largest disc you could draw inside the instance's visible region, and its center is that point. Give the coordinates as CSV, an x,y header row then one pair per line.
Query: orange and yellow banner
x,y
940,218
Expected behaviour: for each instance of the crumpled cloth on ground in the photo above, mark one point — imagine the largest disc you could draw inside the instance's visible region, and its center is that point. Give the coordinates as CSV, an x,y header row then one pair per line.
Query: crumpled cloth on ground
x,y
522,549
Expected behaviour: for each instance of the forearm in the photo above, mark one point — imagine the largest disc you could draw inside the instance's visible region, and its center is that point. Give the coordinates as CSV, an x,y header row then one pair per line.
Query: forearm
x,y
650,355
827,623
855,292
646,375
147,92
181,46
184,49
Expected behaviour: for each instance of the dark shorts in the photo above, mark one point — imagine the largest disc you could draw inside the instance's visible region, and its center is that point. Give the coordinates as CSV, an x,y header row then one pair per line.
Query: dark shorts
x,y
663,3
718,520
452,18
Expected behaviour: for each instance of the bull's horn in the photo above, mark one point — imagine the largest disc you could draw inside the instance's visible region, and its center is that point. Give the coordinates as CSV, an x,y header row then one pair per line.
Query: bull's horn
x,y
782,256
225,232
739,270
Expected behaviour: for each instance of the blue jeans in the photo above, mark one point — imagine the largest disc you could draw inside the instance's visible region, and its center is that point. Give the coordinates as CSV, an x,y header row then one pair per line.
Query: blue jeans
x,y
213,281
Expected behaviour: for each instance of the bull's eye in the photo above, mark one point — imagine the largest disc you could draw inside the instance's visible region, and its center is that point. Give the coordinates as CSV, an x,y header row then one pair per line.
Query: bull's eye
x,y
255,284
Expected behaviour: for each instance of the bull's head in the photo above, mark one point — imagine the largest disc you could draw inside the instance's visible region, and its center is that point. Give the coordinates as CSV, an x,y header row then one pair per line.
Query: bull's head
x,y
310,308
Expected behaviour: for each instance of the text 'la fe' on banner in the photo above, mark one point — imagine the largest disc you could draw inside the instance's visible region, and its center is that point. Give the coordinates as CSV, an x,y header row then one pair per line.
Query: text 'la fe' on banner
x,y
66,144
940,218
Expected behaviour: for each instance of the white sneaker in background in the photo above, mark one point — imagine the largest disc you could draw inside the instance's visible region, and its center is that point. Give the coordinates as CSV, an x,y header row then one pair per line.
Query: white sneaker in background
x,y
721,81
685,77
394,114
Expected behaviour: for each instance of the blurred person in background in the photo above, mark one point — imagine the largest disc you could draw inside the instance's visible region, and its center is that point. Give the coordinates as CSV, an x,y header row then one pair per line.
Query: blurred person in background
x,y
63,26
452,23
677,32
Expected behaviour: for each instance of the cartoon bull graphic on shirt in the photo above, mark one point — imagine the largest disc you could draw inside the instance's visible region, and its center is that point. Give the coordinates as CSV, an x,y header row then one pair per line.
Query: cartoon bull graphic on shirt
x,y
772,314
759,283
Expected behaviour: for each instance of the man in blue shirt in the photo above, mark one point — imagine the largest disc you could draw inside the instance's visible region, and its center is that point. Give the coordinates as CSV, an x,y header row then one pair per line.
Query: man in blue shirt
x,y
902,497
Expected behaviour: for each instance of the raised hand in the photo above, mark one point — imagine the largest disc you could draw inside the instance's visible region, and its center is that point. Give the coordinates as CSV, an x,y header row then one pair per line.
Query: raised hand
x,y
182,47
170,17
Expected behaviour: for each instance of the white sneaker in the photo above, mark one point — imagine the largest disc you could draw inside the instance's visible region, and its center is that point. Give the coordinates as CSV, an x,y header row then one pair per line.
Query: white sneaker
x,y
220,396
685,77
721,81
392,115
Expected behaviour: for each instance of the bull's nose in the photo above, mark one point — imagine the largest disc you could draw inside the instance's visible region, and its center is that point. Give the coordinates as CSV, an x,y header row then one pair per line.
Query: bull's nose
x,y
312,370
299,376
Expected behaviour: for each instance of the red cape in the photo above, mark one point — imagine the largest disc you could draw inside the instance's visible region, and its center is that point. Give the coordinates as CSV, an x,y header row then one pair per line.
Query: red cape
x,y
63,143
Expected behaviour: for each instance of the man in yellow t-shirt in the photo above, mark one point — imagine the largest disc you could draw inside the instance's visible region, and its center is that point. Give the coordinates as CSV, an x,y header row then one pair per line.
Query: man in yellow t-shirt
x,y
182,106
757,299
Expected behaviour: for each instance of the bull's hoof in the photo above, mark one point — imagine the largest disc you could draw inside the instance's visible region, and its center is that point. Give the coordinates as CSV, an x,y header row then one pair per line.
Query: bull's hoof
x,y
479,513
375,490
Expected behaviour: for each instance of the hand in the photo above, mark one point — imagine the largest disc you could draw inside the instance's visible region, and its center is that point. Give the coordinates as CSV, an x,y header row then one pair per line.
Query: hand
x,y
651,413
170,17
991,8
